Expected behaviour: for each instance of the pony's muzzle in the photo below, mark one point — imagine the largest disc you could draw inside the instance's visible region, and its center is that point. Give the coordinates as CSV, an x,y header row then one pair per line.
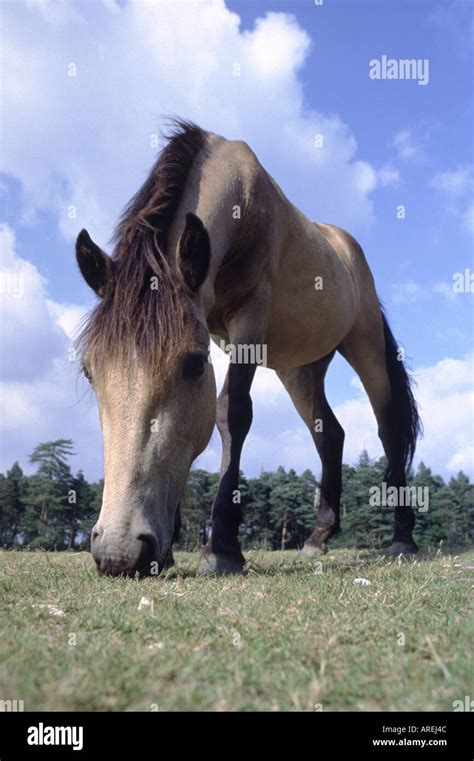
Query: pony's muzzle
x,y
133,555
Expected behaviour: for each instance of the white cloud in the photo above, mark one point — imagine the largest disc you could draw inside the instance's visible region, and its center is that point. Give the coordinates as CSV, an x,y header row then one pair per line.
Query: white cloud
x,y
267,389
456,188
357,384
69,317
53,11
468,219
406,146
58,405
462,460
29,336
447,406
89,146
276,40
39,392
446,399
297,446
388,176
409,292
365,176
411,144
456,183
446,290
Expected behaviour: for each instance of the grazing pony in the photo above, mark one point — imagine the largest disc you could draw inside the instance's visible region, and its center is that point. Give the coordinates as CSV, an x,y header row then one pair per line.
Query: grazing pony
x,y
210,246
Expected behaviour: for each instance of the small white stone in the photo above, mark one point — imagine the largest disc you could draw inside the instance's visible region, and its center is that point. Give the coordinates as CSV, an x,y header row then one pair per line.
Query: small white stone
x,y
52,609
364,582
145,604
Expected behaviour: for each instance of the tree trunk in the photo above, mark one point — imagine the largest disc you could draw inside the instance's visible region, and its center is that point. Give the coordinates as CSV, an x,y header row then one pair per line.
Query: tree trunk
x,y
285,533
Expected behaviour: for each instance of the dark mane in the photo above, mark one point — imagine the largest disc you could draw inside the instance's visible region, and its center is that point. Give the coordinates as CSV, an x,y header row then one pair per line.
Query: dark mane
x,y
134,319
152,208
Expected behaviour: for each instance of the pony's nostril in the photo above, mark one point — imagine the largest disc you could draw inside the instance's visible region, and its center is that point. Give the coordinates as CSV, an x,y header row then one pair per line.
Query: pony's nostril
x,y
149,548
148,555
95,534
148,539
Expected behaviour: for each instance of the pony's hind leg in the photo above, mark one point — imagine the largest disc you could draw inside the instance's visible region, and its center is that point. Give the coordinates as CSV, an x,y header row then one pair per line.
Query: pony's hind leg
x,y
305,386
371,350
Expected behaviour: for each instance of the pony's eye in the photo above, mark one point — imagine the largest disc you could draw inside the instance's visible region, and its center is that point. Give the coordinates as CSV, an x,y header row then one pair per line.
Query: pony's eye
x,y
194,366
86,373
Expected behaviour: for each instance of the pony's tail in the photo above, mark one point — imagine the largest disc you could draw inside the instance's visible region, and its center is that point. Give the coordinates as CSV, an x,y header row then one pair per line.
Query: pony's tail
x,y
404,420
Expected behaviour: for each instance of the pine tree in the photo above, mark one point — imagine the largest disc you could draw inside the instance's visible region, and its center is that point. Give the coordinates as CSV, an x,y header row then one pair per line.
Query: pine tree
x,y
77,506
258,512
89,504
11,506
45,520
461,511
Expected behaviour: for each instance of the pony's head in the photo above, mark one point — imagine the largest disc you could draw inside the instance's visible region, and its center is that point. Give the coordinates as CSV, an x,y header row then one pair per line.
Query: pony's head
x,y
145,351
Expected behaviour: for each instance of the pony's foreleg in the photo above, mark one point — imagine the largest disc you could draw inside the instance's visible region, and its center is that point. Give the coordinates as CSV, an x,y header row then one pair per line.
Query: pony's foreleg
x,y
169,562
222,554
305,385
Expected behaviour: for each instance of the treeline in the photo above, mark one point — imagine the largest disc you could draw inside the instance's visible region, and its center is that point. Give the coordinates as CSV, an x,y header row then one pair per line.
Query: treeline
x,y
56,510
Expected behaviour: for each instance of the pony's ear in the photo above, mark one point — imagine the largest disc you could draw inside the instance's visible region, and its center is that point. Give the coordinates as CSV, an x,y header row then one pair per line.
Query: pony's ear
x,y
194,253
96,267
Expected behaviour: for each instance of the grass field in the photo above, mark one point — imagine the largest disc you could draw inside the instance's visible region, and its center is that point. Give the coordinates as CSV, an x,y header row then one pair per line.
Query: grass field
x,y
284,636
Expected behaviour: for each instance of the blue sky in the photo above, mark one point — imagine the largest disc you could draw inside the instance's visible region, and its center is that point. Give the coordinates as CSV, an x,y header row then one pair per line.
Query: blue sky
x,y
75,148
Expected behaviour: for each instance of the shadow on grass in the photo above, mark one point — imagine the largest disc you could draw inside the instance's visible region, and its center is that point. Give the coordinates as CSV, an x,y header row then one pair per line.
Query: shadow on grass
x,y
277,563
261,563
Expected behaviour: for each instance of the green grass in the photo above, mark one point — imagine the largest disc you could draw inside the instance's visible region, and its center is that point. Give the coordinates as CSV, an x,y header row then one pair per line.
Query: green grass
x,y
280,637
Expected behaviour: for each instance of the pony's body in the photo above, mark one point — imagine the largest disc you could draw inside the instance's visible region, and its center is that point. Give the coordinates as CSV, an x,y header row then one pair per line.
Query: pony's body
x,y
283,254
247,266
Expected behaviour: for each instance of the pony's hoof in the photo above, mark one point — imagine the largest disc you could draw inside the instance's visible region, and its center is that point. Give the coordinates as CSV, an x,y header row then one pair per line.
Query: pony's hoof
x,y
309,551
403,548
169,562
210,563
